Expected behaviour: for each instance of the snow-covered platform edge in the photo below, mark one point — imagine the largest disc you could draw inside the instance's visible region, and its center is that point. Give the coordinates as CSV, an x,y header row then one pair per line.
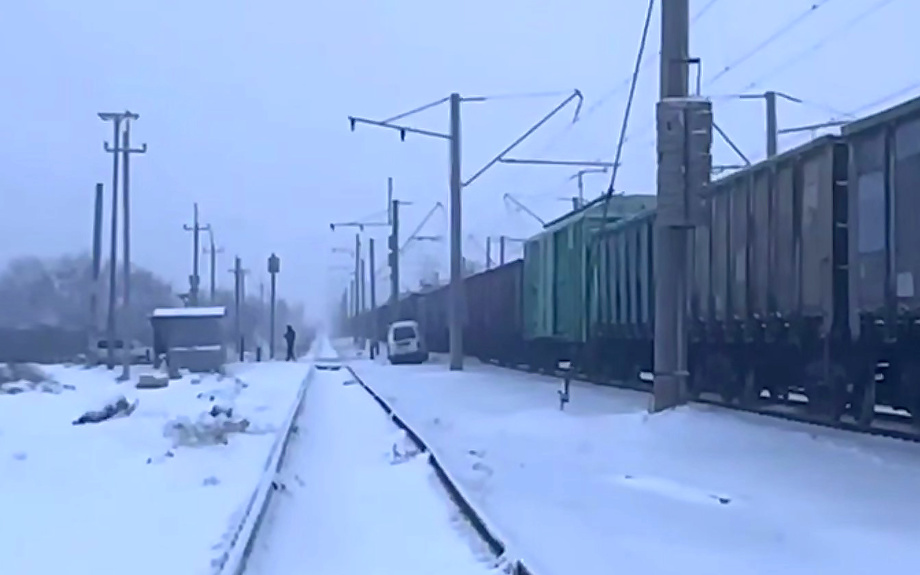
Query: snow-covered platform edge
x,y
233,560
484,528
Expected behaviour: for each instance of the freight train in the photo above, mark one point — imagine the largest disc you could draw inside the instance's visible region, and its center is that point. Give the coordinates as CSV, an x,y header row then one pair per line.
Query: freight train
x,y
803,283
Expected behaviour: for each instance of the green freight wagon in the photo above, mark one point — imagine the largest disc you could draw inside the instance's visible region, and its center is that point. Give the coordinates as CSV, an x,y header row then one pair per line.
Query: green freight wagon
x,y
556,268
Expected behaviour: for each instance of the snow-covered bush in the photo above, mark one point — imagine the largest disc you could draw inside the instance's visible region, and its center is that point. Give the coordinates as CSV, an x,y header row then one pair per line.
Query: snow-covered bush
x,y
212,427
21,377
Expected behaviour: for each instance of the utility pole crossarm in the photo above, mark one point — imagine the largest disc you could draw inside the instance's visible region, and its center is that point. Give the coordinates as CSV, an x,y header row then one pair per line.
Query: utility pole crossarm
x,y
113,149
359,225
782,95
403,130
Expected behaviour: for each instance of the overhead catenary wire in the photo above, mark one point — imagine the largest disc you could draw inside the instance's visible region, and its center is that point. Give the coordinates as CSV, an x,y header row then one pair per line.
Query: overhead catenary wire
x,y
702,11
776,35
629,101
526,95
623,84
884,99
834,34
773,37
826,108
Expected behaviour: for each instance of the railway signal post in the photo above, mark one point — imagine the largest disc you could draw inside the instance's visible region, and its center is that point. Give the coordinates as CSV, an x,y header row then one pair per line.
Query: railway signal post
x,y
274,266
684,126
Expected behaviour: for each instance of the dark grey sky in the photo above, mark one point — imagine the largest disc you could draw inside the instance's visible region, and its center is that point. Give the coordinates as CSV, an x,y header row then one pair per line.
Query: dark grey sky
x,y
244,106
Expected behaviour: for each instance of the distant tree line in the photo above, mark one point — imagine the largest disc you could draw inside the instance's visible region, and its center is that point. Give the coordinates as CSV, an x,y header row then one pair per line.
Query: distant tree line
x,y
56,292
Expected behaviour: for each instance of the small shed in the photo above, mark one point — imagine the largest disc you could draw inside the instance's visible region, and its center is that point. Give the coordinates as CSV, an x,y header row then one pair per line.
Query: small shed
x,y
190,337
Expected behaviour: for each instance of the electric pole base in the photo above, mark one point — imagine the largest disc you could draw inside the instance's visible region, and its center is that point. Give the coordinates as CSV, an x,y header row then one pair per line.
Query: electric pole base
x,y
668,392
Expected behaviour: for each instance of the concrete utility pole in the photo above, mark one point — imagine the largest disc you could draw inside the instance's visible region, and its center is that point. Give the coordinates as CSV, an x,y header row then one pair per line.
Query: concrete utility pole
x,y
97,264
194,280
357,274
127,150
772,136
363,285
116,119
274,267
684,167
456,305
773,132
212,251
239,291
373,302
393,259
390,200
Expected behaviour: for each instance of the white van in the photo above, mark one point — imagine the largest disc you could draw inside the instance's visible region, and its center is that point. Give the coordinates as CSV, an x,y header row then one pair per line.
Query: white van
x,y
404,343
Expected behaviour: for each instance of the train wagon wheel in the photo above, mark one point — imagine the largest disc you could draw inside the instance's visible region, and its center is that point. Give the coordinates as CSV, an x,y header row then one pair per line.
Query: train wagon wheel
x,y
826,389
718,375
909,389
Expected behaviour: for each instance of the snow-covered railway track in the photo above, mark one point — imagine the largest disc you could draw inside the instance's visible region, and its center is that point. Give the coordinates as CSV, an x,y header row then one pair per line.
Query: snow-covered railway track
x,y
357,494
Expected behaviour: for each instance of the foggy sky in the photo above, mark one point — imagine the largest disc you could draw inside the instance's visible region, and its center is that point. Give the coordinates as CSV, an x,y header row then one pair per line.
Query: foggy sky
x,y
243,105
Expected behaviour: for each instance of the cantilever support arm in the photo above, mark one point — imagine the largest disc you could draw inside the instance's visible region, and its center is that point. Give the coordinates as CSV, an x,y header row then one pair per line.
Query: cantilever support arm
x,y
812,127
575,94
524,208
417,110
731,144
403,130
576,163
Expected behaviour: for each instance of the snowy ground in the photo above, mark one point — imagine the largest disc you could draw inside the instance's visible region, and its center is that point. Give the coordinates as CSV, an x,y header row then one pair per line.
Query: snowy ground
x,y
603,487
120,496
356,499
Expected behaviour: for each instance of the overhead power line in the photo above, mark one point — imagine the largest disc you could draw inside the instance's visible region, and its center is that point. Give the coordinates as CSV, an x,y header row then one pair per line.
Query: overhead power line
x,y
703,10
626,82
629,101
834,34
884,99
776,35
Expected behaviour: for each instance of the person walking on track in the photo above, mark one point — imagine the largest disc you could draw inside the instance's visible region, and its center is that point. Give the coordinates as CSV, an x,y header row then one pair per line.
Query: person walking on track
x,y
289,336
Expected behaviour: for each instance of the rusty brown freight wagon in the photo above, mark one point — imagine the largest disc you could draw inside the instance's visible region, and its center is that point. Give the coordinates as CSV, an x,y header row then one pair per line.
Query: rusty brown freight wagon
x,y
885,253
770,287
768,290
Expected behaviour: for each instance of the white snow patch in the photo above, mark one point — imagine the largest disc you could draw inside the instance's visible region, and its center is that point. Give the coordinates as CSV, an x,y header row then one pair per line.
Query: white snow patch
x,y
120,494
215,311
604,486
